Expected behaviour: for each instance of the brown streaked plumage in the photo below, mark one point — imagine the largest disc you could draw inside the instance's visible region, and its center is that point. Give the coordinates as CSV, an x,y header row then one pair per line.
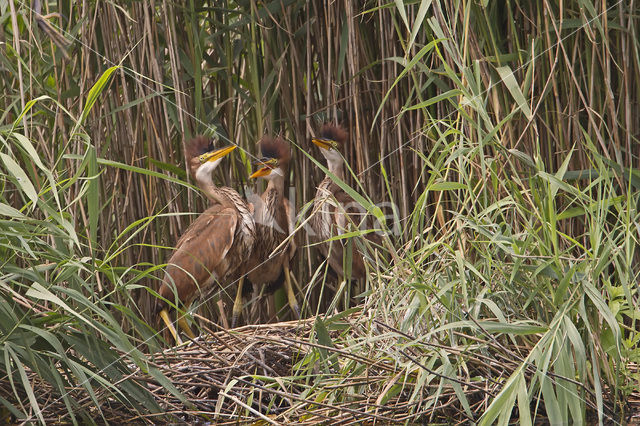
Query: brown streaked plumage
x,y
216,245
334,210
273,221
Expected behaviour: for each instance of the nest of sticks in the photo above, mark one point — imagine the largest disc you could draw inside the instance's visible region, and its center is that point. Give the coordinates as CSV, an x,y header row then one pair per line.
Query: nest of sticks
x,y
247,375
279,373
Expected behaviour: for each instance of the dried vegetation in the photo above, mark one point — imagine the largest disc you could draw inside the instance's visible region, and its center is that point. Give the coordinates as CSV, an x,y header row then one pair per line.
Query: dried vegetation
x,y
500,139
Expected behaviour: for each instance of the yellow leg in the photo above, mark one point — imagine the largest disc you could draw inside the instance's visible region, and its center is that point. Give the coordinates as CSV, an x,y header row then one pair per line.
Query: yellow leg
x,y
290,296
164,314
185,327
237,305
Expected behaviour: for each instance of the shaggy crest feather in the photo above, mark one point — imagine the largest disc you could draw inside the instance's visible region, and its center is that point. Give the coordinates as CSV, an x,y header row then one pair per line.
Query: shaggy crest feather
x,y
198,145
334,133
275,148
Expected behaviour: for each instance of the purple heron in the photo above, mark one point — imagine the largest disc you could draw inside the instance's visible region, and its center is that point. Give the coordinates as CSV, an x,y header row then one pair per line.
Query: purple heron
x,y
216,246
335,211
273,224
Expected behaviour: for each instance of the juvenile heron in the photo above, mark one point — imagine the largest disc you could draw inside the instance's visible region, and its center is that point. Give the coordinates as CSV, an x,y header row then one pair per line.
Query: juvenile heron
x,y
216,246
273,223
335,211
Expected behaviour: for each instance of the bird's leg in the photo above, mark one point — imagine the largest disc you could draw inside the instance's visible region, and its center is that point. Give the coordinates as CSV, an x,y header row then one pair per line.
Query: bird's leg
x,y
223,317
164,314
237,305
256,297
271,315
347,293
182,322
343,295
290,296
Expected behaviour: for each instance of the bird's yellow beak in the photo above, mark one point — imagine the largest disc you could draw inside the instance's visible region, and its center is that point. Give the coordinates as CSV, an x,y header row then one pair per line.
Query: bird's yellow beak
x,y
263,171
324,143
215,155
267,165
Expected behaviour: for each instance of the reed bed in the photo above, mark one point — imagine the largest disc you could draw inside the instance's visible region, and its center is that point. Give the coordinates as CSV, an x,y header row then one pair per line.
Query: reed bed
x,y
496,142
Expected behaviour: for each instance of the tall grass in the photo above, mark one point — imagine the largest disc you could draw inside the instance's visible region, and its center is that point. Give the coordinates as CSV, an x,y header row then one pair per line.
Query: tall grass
x,y
58,316
505,133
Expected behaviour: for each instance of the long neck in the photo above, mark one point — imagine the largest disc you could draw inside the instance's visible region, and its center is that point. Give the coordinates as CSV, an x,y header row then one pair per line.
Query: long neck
x,y
274,192
336,167
205,182
270,211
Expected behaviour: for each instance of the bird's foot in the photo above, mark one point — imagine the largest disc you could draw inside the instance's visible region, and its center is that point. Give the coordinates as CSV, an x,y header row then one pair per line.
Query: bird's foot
x,y
234,320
